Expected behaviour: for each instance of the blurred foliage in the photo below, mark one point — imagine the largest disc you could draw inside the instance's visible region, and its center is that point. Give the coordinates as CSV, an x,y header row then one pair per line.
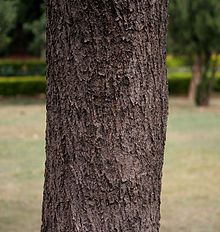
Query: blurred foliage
x,y
194,27
194,31
8,15
177,61
38,45
183,61
28,10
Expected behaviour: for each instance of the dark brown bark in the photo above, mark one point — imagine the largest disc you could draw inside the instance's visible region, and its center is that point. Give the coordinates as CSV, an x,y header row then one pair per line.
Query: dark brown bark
x,y
196,72
107,101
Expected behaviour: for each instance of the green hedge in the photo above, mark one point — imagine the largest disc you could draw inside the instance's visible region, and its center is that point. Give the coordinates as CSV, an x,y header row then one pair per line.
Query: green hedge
x,y
10,86
22,68
179,83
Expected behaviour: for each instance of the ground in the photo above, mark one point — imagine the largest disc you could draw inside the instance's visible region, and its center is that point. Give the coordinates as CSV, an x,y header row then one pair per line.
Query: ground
x,y
191,180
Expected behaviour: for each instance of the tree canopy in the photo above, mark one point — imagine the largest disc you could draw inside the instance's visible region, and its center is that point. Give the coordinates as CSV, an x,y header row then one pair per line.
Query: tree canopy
x,y
194,31
194,26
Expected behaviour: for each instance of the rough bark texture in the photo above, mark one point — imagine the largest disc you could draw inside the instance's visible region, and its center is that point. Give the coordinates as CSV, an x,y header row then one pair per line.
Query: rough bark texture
x,y
107,103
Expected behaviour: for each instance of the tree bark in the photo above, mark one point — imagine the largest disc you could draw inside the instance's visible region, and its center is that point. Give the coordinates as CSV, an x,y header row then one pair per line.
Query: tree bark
x,y
107,104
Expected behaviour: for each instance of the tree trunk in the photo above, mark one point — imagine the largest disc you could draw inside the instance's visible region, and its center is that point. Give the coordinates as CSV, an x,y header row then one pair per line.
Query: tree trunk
x,y
18,44
107,103
202,87
196,71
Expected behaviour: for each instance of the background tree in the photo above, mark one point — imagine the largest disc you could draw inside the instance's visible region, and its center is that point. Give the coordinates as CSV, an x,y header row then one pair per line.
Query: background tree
x,y
194,31
107,101
27,12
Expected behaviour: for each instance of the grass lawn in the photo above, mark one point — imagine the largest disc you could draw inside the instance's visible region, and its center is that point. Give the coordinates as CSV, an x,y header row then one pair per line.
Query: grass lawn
x,y
191,175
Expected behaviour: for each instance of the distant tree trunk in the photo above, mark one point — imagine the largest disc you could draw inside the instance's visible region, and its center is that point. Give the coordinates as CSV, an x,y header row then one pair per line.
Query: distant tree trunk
x,y
19,47
107,103
202,86
196,72
206,84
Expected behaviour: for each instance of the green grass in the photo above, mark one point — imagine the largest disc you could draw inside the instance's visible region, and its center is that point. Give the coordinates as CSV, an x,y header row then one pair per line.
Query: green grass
x,y
21,164
191,180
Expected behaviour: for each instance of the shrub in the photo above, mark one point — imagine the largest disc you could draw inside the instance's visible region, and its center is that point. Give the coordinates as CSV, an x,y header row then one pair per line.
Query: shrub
x,y
22,68
179,83
10,86
8,17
